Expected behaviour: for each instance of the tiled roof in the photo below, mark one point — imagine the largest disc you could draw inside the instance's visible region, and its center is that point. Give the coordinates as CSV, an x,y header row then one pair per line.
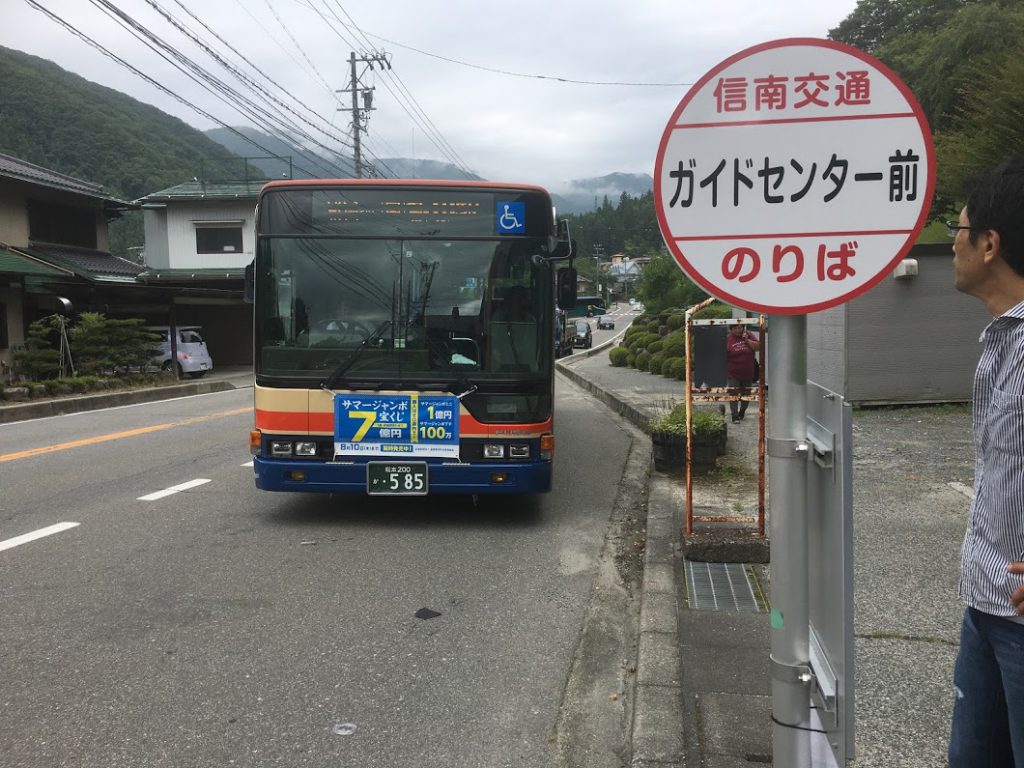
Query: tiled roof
x,y
13,168
206,190
86,262
14,263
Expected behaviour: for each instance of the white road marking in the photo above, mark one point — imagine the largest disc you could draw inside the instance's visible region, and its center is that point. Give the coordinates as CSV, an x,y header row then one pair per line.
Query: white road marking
x,y
27,537
173,489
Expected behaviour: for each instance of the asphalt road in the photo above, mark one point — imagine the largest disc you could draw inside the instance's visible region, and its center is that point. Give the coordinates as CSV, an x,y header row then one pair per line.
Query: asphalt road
x,y
190,620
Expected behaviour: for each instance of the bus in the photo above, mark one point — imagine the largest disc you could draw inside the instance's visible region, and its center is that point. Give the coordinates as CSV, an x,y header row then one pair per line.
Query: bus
x,y
588,306
402,336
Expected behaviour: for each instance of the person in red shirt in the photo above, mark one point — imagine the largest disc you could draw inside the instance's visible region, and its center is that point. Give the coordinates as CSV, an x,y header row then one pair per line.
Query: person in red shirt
x,y
741,348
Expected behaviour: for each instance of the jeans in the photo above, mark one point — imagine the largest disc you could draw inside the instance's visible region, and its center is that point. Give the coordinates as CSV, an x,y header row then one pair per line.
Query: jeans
x,y
988,712
737,408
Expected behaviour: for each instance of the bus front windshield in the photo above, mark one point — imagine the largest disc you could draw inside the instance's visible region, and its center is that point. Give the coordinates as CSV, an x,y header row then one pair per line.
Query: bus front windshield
x,y
402,311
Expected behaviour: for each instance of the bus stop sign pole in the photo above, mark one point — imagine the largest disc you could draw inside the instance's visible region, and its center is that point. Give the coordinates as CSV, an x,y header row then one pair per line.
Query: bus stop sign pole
x,y
786,199
787,466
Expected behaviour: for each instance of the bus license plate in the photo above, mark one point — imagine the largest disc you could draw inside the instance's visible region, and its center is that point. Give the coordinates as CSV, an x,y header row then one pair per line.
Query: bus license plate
x,y
394,479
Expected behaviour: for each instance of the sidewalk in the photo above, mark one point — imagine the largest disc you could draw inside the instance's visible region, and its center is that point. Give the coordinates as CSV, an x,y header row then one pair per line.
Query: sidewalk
x,y
703,686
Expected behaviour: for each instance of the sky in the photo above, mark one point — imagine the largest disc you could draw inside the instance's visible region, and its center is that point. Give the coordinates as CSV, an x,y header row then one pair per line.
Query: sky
x,y
534,91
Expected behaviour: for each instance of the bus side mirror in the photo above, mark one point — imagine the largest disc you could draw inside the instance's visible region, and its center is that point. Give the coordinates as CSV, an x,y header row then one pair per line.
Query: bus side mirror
x,y
566,288
249,292
562,246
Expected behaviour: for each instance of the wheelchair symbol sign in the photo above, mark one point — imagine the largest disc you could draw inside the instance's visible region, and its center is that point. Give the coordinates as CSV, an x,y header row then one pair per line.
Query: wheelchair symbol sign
x,y
511,218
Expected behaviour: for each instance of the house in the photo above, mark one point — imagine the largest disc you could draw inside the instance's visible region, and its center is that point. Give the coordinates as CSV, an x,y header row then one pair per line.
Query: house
x,y
53,250
200,236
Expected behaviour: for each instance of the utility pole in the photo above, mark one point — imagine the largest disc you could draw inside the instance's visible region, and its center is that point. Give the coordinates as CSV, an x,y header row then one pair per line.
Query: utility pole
x,y
361,114
598,253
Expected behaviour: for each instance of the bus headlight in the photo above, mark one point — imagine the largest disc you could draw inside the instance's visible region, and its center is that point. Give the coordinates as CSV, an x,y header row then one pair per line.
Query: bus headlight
x,y
494,451
305,448
519,451
280,448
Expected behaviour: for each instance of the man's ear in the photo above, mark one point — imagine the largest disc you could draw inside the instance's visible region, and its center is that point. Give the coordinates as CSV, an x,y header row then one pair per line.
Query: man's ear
x,y
990,243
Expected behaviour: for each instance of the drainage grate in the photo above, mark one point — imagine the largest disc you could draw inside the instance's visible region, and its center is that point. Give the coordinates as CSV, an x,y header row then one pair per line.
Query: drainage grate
x,y
723,587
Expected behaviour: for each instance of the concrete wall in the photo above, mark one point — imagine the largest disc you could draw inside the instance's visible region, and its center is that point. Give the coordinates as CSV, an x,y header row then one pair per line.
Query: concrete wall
x,y
907,340
154,222
13,214
180,233
826,348
13,299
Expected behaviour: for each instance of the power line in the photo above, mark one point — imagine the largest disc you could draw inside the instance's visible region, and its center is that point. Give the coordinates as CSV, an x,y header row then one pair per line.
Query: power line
x,y
279,125
425,123
509,73
139,73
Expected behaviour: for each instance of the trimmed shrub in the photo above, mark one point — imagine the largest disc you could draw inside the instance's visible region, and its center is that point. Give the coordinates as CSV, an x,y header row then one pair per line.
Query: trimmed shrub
x,y
642,359
630,360
655,361
618,356
715,311
655,346
674,368
675,343
675,321
57,387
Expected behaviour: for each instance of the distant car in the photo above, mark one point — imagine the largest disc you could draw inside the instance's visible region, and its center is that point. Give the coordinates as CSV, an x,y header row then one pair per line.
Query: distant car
x,y
606,323
583,337
193,356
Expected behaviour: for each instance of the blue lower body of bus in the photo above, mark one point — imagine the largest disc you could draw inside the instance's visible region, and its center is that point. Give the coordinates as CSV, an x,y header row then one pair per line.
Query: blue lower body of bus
x,y
351,477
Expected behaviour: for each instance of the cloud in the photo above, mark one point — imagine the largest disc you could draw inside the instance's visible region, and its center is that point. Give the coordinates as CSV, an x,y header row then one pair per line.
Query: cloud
x,y
530,129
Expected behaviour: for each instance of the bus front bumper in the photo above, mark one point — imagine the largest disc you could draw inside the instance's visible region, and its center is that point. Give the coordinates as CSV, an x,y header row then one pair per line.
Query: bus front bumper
x,y
296,475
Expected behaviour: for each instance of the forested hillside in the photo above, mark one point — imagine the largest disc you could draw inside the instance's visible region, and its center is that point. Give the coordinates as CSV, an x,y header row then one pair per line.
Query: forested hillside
x,y
56,119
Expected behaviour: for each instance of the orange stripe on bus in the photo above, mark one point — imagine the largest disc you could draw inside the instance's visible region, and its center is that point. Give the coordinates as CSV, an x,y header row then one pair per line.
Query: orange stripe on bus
x,y
323,423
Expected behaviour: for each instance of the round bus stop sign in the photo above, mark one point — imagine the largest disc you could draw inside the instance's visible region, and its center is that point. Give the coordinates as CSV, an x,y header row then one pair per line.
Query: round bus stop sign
x,y
794,176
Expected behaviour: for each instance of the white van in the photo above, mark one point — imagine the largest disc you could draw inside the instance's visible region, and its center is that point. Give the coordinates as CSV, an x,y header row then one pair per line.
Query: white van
x,y
193,356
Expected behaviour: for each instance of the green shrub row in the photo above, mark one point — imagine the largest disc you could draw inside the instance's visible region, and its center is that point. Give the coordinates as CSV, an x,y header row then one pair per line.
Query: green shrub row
x,y
657,343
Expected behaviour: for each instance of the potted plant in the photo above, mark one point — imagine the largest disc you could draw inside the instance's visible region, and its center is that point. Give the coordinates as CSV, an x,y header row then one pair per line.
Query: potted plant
x,y
668,439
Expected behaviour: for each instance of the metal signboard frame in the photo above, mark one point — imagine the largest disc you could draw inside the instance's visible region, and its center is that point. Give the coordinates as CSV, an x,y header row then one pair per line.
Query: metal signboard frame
x,y
830,567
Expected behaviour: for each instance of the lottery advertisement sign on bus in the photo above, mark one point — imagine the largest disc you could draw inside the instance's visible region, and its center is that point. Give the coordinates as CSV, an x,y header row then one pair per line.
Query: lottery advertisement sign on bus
x,y
794,176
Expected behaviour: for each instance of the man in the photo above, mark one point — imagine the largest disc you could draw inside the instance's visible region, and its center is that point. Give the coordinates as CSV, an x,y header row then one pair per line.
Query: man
x,y
988,263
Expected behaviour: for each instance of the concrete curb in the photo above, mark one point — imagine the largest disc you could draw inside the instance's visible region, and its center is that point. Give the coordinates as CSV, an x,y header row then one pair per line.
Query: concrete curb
x,y
633,415
60,406
657,738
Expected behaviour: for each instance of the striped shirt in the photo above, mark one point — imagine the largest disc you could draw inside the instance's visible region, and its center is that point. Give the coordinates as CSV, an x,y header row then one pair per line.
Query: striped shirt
x,y
995,529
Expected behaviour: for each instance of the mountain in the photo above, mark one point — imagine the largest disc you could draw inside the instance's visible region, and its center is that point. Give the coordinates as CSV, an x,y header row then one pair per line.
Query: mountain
x,y
56,119
65,123
585,195
271,155
580,196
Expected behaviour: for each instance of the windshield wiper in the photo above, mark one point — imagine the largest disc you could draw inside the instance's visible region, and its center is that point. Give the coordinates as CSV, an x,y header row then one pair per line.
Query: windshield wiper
x,y
349,361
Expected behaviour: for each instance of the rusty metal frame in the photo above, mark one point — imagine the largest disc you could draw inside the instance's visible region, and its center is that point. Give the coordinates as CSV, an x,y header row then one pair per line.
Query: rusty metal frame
x,y
721,395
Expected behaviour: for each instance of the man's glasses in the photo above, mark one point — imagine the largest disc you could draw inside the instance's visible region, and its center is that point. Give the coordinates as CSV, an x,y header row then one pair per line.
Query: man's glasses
x,y
952,227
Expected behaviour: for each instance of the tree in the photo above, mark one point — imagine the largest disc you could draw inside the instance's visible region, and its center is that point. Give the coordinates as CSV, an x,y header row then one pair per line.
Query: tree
x,y
938,47
663,285
989,128
40,359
